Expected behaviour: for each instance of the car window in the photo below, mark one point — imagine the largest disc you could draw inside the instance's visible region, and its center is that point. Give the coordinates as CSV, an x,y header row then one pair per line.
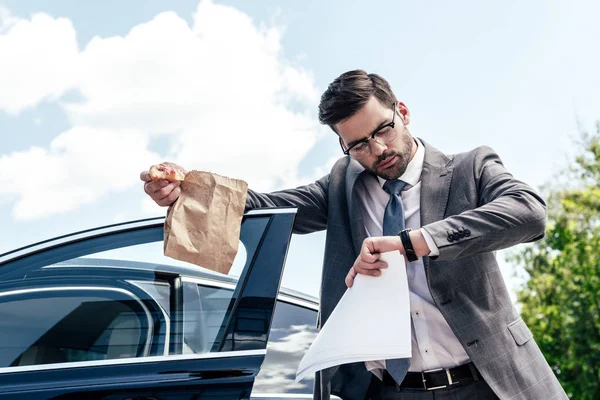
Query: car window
x,y
304,263
204,309
71,323
129,301
292,331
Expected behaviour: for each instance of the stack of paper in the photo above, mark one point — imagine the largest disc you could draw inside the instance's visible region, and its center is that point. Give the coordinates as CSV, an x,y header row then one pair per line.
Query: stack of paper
x,y
371,322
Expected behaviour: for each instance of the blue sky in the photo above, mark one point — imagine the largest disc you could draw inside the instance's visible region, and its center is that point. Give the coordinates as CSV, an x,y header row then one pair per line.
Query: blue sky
x,y
232,87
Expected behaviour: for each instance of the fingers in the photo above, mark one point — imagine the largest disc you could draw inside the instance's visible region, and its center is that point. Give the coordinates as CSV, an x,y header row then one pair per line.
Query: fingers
x,y
145,176
350,277
370,268
382,244
171,197
368,251
363,268
369,257
153,187
368,261
162,192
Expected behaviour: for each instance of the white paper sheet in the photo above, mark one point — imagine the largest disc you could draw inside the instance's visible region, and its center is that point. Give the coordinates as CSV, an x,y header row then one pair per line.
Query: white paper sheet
x,y
371,322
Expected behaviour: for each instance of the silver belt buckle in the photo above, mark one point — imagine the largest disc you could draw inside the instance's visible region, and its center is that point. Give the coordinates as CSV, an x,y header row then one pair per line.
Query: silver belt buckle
x,y
436,387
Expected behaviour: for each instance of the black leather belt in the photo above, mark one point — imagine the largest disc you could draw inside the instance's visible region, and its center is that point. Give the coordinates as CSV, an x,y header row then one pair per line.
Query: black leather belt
x,y
436,378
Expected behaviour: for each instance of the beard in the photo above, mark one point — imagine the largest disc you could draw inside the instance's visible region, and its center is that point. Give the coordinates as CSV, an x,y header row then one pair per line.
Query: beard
x,y
403,158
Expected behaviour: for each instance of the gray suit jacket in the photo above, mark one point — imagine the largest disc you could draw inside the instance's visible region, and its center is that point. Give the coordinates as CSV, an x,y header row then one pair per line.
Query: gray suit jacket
x,y
468,191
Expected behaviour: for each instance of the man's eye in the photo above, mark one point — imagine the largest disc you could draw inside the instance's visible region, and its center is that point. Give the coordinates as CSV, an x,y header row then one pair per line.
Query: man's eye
x,y
382,132
361,146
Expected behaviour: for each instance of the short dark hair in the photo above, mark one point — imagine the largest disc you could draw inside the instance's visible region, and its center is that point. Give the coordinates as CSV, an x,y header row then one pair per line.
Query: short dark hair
x,y
349,92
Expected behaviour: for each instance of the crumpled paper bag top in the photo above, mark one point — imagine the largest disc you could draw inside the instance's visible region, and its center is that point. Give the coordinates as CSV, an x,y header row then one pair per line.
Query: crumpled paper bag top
x,y
203,225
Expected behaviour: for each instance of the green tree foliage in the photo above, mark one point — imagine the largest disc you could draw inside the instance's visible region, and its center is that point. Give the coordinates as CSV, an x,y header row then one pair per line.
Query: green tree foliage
x,y
561,300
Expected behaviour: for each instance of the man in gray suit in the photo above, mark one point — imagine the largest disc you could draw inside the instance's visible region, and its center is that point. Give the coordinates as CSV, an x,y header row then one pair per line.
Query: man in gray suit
x,y
447,214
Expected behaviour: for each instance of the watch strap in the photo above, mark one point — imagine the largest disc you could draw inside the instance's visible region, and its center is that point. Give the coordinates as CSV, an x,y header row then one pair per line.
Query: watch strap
x,y
409,250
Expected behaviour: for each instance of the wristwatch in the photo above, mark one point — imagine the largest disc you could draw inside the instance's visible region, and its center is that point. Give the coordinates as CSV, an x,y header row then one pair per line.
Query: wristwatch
x,y
409,250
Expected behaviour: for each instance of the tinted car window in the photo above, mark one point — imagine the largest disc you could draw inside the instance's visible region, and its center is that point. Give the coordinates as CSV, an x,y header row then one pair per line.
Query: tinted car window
x,y
70,324
292,332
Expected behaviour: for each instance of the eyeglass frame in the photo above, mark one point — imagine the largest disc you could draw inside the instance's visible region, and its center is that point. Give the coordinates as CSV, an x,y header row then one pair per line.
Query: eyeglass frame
x,y
366,140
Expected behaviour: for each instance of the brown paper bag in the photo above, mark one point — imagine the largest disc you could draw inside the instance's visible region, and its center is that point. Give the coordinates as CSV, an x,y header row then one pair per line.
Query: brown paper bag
x,y
203,225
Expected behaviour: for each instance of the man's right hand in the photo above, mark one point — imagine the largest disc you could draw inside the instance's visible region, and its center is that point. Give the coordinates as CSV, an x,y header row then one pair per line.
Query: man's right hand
x,y
164,193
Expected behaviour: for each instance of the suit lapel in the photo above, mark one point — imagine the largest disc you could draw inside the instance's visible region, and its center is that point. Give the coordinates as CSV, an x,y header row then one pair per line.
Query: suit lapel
x,y
435,186
357,227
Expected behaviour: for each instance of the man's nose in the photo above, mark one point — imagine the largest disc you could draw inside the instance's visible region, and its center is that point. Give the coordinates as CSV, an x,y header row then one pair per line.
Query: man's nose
x,y
377,148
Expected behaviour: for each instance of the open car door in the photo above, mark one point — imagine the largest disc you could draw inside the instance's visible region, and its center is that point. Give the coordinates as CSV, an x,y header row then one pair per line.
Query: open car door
x,y
101,314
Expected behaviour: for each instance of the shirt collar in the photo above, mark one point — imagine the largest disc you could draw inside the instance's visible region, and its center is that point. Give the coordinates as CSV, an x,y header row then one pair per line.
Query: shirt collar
x,y
412,175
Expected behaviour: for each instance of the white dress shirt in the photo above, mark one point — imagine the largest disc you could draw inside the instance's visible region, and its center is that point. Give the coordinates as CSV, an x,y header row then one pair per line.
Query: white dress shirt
x,y
434,345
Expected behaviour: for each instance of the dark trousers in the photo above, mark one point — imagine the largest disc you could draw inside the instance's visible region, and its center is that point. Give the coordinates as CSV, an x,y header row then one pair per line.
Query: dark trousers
x,y
469,391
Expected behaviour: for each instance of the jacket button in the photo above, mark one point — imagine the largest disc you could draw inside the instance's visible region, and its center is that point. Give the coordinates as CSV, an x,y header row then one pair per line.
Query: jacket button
x,y
450,237
467,233
472,342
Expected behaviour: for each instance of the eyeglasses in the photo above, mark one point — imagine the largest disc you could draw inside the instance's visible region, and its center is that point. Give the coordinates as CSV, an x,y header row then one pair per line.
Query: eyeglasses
x,y
384,135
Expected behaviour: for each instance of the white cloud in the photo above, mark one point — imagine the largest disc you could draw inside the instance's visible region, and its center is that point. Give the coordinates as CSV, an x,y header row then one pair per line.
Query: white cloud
x,y
79,167
39,60
221,88
6,19
221,85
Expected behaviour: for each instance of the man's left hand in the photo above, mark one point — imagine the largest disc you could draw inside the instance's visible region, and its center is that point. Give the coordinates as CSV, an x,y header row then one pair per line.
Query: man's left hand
x,y
368,262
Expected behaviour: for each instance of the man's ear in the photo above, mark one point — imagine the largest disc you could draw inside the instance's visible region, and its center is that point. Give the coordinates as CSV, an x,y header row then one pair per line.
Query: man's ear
x,y
403,110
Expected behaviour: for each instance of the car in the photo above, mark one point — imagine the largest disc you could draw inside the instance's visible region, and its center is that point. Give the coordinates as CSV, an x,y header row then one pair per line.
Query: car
x,y
103,314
